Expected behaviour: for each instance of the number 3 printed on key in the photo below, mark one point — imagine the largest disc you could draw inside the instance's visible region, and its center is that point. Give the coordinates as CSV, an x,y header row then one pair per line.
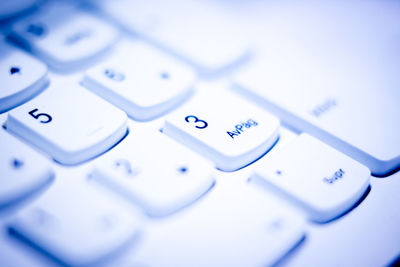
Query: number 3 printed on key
x,y
200,124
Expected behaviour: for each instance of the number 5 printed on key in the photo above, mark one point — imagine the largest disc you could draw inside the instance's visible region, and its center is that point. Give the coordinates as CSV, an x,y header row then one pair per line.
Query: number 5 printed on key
x,y
200,124
48,118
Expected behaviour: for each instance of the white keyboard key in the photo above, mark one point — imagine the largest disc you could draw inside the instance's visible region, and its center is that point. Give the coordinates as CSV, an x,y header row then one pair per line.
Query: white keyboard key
x,y
69,123
155,172
76,225
22,76
322,180
334,107
234,225
142,81
203,34
63,36
225,129
23,170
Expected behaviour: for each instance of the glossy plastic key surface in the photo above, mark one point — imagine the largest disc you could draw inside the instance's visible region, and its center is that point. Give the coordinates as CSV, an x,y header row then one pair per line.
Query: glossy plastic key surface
x,y
69,123
318,178
141,80
223,128
151,170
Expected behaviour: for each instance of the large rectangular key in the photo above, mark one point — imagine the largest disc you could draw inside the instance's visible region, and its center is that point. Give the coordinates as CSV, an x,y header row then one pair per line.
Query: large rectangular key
x,y
357,115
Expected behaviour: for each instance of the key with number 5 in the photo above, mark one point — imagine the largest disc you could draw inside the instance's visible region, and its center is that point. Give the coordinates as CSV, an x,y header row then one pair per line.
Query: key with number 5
x,y
225,129
68,122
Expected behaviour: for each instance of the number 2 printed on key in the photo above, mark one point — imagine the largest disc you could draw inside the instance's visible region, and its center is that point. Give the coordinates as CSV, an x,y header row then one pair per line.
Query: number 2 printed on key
x,y
200,124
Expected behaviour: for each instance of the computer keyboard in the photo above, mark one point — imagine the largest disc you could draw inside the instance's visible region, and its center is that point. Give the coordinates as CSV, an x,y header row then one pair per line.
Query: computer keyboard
x,y
199,133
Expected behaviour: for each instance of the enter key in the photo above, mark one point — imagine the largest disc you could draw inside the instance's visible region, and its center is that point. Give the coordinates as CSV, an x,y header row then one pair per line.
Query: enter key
x,y
316,177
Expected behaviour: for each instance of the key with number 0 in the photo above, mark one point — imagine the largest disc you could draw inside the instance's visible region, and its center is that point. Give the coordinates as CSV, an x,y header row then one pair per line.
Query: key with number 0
x,y
231,135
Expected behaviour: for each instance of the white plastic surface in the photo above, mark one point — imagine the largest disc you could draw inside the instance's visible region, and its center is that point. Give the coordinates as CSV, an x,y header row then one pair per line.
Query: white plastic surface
x,y
200,32
76,225
141,80
22,170
369,235
156,173
69,123
21,76
316,177
223,128
65,37
234,225
329,69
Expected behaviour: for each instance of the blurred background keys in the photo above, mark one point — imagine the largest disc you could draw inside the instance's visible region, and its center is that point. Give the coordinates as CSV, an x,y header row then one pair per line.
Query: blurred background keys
x,y
235,225
334,111
336,80
155,173
201,33
22,170
69,123
63,36
142,81
21,75
75,225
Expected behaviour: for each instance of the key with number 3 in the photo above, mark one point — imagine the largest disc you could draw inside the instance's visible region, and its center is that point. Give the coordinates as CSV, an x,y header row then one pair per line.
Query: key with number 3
x,y
232,134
